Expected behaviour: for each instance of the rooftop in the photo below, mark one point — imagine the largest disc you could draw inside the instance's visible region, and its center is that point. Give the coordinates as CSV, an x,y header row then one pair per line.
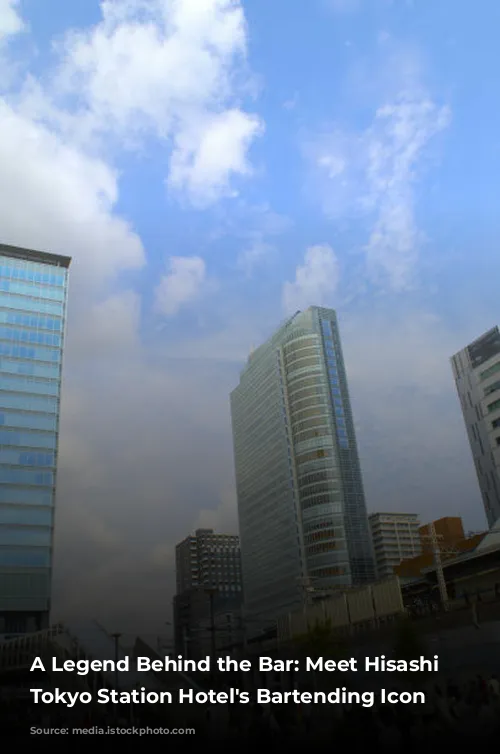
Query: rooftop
x,y
31,255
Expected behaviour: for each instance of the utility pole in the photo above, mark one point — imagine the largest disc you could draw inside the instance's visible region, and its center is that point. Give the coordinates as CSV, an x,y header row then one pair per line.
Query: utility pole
x,y
443,592
211,594
437,552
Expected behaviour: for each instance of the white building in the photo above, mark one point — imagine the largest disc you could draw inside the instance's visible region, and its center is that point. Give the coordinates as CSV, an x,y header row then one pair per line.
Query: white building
x,y
477,376
395,537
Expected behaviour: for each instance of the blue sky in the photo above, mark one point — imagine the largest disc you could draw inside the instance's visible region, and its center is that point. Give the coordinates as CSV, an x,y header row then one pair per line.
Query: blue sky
x,y
211,167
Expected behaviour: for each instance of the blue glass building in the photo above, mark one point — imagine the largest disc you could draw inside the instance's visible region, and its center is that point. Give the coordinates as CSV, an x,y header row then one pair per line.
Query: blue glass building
x,y
33,294
301,503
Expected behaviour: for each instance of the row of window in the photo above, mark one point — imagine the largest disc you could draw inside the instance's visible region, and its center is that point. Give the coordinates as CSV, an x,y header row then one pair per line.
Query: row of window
x,y
493,406
25,289
324,547
305,353
490,371
310,363
319,500
321,573
28,402
30,352
24,535
21,476
30,336
26,458
312,433
320,487
317,412
492,388
316,421
37,322
15,495
31,275
297,345
25,304
20,420
325,534
25,557
325,523
320,476
12,514
23,384
317,402
29,368
313,455
11,439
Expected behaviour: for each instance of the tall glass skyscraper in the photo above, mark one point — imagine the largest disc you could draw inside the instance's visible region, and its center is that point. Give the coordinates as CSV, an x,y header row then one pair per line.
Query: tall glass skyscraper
x,y
301,502
33,291
476,370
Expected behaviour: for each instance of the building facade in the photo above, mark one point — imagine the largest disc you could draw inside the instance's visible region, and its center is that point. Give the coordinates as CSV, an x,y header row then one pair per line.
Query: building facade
x,y
209,584
33,295
301,501
395,537
448,530
477,377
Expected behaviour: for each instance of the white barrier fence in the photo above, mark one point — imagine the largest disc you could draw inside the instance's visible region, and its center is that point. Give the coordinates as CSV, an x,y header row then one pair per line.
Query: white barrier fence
x,y
366,605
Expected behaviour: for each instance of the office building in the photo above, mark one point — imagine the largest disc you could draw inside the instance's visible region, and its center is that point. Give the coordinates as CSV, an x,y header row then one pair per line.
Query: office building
x,y
33,293
395,537
209,560
208,578
301,504
477,377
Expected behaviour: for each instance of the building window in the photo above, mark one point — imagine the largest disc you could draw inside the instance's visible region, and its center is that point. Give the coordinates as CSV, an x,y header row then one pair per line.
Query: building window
x,y
492,388
494,406
489,372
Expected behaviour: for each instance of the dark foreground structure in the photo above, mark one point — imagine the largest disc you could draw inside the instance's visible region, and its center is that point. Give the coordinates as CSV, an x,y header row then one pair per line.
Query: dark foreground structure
x,y
458,709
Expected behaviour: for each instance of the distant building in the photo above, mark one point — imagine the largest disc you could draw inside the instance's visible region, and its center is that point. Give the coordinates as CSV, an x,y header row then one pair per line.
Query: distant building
x,y
301,502
208,576
449,531
477,376
413,568
395,537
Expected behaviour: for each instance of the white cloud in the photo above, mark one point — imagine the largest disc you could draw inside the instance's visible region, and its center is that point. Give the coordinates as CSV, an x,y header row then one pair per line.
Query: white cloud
x,y
256,254
374,173
182,285
63,201
205,159
172,69
11,22
315,281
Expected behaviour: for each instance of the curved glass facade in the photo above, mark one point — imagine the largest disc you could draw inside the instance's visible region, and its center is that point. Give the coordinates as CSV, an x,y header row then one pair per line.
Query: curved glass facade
x,y
33,292
300,495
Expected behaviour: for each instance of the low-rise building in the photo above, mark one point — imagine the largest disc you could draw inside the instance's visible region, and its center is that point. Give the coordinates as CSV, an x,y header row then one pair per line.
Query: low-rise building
x,y
395,537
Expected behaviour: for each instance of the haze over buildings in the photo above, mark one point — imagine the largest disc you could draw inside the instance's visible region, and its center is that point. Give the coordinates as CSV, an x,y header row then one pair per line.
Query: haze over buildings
x,y
301,501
